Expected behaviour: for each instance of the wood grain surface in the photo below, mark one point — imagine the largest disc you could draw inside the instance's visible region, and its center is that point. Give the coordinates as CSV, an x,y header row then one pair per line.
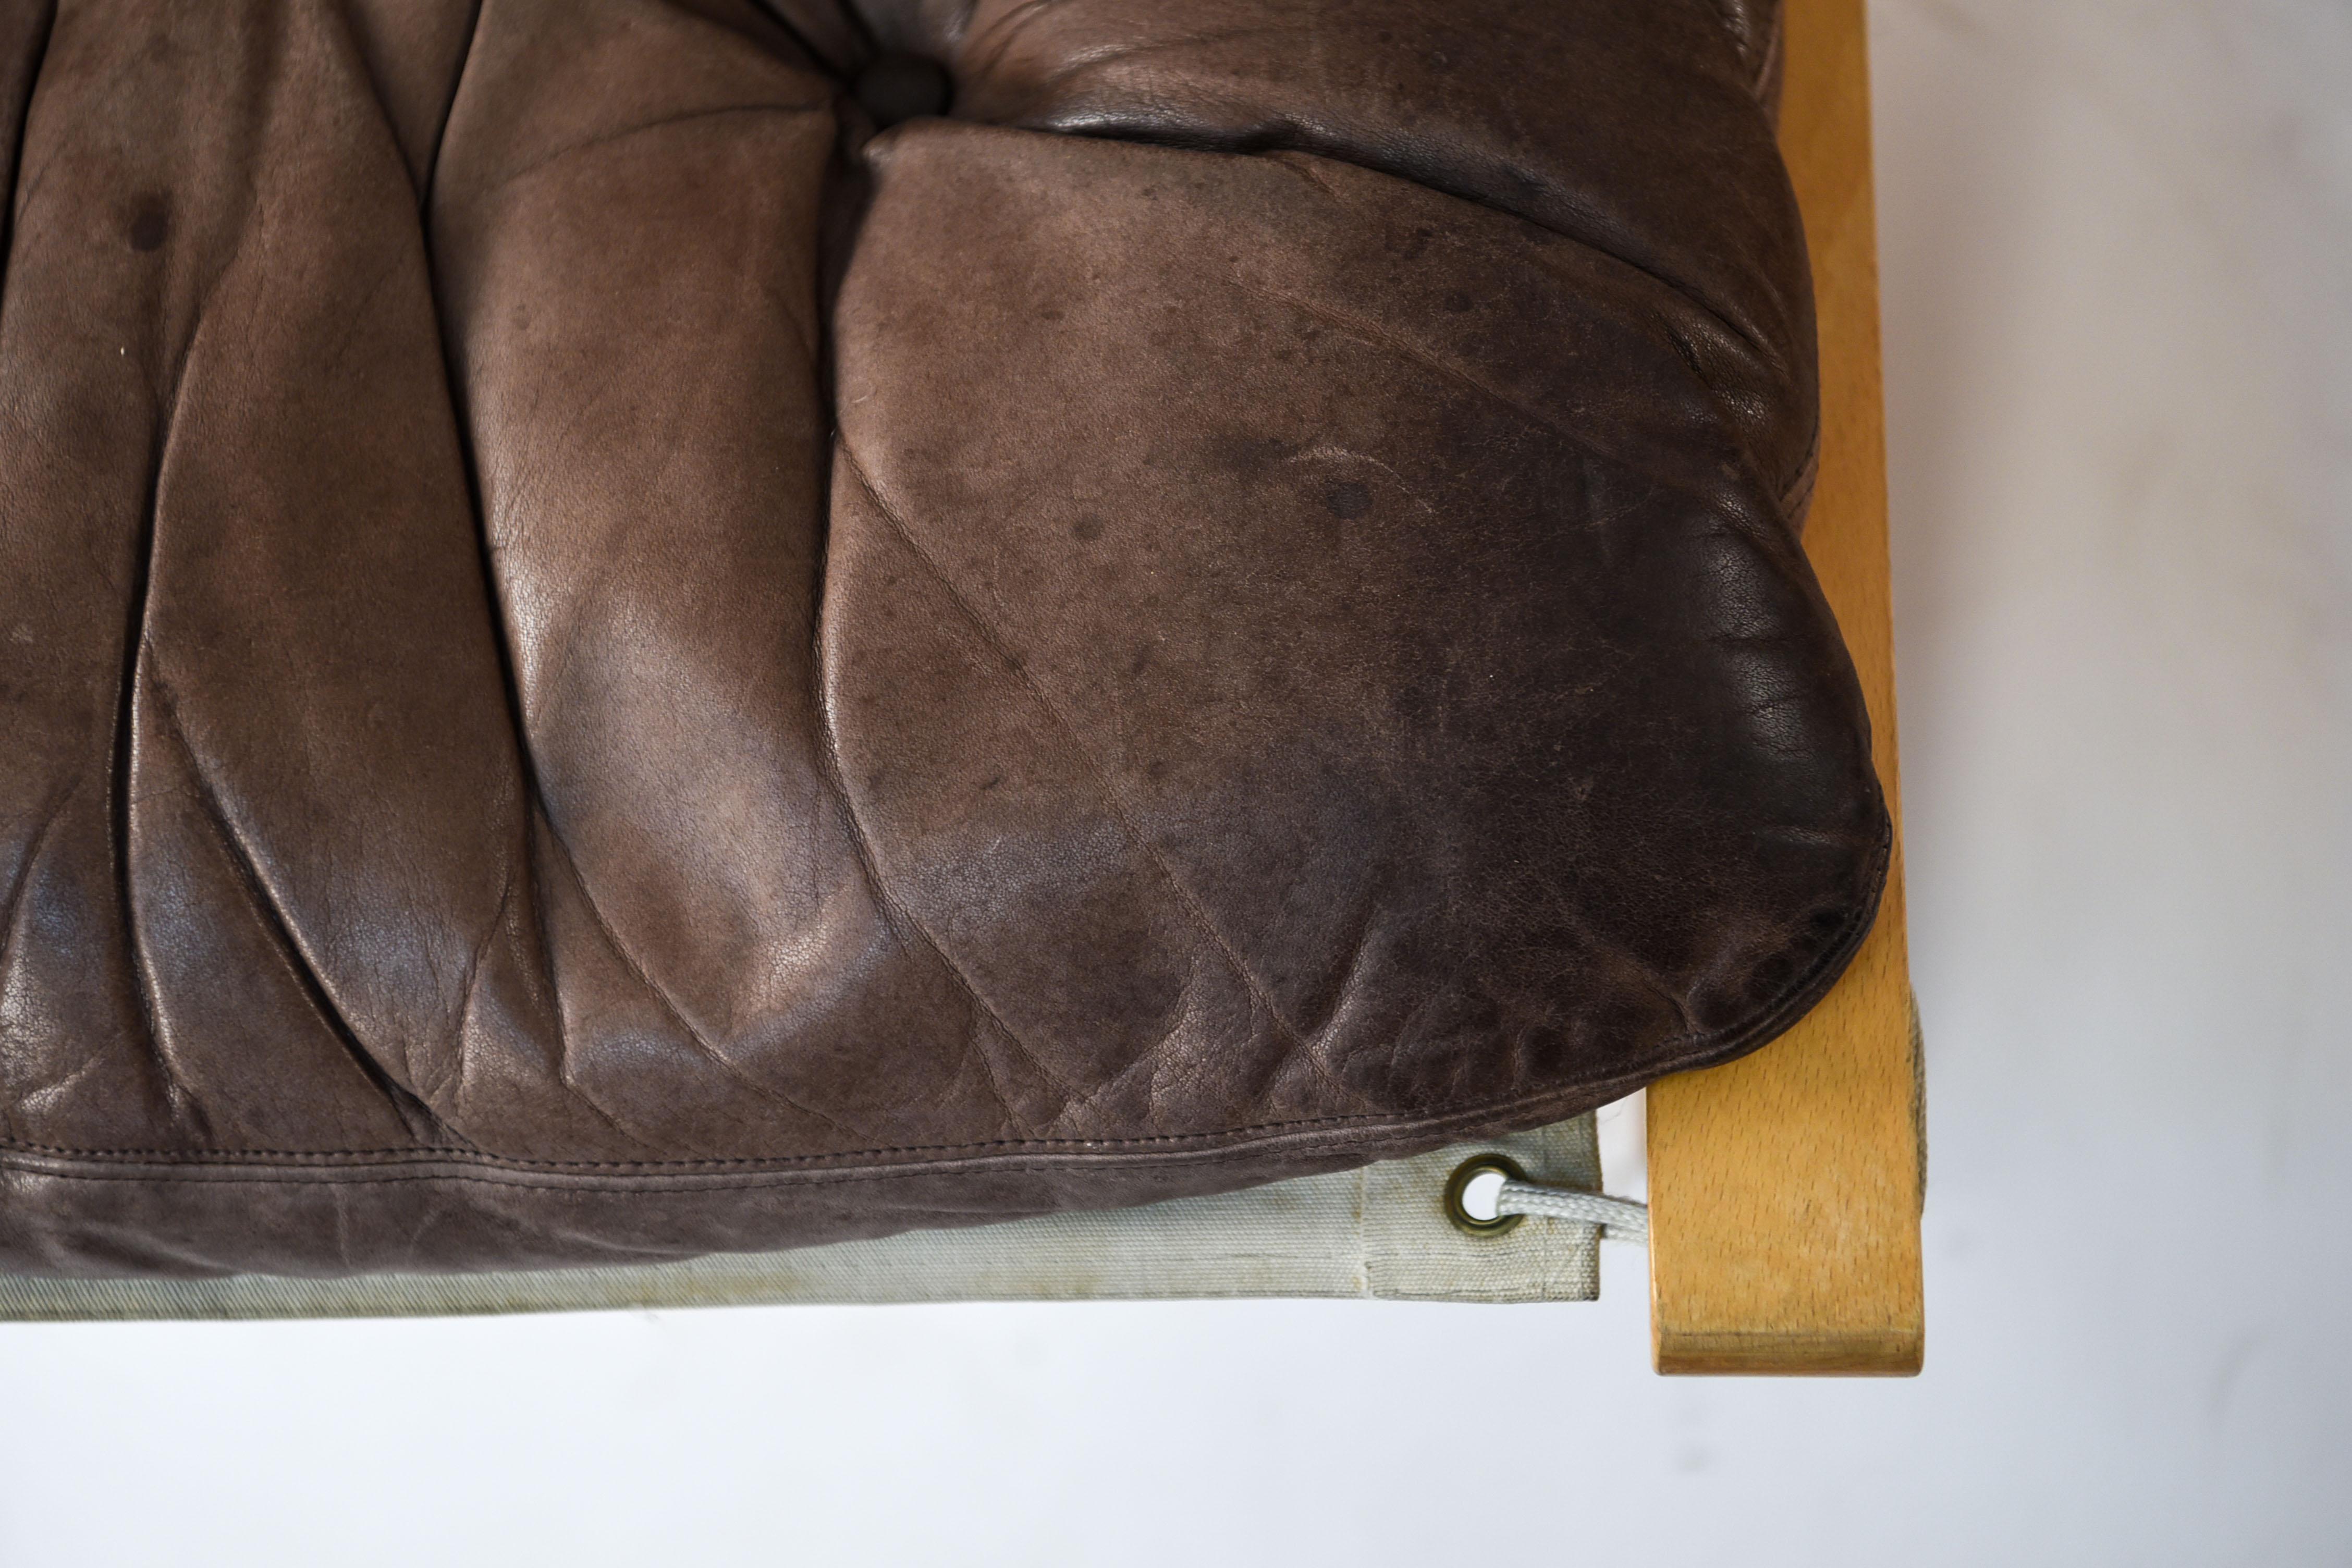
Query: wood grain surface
x,y
1785,1187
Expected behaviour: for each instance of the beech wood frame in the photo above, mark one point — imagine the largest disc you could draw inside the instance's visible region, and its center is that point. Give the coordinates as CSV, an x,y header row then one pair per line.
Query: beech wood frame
x,y
1785,1188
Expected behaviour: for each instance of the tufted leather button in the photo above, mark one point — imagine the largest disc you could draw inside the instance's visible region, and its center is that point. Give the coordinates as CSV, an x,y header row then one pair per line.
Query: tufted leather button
x,y
903,87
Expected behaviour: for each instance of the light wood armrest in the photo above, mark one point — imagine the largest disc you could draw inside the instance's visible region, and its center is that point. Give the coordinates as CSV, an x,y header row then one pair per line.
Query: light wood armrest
x,y
1785,1187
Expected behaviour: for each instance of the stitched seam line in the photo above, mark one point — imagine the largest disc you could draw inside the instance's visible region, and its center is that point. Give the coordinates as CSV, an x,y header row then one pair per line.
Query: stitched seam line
x,y
1694,1051
235,1177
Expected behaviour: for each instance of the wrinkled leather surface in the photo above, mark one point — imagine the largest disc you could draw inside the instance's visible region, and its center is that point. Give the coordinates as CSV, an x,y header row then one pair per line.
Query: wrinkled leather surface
x,y
600,663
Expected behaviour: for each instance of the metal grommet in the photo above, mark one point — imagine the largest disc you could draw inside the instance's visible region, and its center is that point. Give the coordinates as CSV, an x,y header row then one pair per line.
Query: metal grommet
x,y
1457,1188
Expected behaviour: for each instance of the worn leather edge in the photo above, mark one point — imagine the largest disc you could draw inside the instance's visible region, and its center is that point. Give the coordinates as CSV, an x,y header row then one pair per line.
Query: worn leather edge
x,y
1315,1138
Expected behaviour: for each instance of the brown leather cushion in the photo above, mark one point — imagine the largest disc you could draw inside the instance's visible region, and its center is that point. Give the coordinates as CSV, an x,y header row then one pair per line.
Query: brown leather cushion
x,y
603,663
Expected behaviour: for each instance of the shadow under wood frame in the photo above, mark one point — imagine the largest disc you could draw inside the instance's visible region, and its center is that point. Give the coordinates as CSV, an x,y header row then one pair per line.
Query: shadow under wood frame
x,y
1785,1187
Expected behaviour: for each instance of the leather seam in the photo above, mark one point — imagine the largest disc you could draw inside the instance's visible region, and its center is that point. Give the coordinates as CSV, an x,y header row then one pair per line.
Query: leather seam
x,y
1697,1051
236,1177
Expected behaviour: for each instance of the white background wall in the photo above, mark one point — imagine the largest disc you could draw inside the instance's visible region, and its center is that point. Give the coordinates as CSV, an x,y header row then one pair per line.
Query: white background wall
x,y
2118,271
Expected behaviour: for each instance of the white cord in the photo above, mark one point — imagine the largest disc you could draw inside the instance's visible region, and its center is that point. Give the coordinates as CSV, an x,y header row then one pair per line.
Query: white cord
x,y
1623,1219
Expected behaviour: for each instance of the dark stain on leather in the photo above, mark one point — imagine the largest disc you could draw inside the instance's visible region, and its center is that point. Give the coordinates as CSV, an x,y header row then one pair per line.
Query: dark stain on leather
x,y
151,223
1348,501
